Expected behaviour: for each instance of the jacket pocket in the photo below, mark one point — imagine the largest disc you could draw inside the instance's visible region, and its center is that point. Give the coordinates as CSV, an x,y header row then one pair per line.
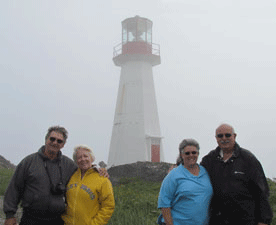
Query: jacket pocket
x,y
57,204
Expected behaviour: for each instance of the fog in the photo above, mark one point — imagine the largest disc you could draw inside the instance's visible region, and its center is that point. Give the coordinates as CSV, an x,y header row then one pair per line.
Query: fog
x,y
217,65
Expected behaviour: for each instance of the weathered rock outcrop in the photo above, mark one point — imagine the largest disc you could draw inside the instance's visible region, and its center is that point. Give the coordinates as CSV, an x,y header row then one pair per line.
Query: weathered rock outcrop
x,y
147,171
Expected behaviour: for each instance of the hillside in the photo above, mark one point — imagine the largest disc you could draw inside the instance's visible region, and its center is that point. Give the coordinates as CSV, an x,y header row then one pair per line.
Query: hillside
x,y
4,163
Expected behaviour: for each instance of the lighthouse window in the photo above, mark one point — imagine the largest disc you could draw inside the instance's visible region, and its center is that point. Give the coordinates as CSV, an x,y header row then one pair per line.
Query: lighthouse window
x,y
141,30
124,34
131,28
131,37
149,32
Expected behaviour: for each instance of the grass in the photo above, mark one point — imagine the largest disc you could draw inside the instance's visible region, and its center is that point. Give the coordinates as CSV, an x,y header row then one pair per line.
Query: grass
x,y
272,198
5,176
136,200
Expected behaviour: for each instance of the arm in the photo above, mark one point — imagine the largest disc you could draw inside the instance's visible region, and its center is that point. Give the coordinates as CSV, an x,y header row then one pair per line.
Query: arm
x,y
205,163
14,193
264,212
107,204
172,167
167,197
166,212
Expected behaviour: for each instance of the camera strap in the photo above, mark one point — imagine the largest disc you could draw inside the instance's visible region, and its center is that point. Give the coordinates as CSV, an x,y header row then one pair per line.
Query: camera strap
x,y
47,171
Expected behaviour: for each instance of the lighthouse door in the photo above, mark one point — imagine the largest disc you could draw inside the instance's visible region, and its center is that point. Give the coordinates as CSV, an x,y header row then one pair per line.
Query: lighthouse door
x,y
155,153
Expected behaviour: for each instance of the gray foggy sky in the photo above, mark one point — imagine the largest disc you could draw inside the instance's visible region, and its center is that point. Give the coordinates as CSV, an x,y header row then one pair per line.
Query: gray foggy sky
x,y
217,65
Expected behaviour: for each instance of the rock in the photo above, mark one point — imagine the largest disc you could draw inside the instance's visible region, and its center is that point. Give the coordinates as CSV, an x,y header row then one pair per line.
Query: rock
x,y
147,171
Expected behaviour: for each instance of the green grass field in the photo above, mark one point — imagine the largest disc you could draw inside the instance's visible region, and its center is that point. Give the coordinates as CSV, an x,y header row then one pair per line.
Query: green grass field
x,y
5,176
136,203
272,199
136,200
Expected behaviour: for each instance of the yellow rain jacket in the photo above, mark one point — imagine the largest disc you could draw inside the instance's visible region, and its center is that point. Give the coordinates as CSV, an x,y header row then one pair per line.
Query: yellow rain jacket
x,y
90,199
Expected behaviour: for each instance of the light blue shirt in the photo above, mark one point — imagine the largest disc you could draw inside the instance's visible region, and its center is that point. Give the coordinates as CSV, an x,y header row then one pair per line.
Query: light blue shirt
x,y
187,195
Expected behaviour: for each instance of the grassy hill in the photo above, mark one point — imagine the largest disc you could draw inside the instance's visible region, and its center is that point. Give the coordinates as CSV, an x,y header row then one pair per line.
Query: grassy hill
x,y
136,199
4,163
5,176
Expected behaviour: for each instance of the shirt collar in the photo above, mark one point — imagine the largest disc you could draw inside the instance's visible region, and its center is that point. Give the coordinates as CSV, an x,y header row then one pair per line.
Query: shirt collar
x,y
234,155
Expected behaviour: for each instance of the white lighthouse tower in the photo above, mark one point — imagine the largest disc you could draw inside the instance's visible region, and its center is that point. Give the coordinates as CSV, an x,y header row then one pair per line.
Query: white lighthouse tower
x,y
136,130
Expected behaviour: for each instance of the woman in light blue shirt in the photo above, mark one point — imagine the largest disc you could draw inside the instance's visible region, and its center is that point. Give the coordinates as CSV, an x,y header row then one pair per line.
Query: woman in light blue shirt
x,y
186,191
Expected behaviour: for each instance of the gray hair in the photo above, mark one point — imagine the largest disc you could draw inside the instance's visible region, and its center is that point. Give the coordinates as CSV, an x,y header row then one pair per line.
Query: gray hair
x,y
57,129
78,147
184,144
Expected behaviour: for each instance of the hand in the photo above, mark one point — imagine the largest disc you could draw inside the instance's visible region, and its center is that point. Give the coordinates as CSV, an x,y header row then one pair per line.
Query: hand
x,y
171,168
103,172
10,221
262,224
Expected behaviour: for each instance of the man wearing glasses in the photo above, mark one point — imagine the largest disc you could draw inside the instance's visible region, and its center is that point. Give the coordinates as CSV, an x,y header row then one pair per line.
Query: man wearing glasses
x,y
39,183
239,183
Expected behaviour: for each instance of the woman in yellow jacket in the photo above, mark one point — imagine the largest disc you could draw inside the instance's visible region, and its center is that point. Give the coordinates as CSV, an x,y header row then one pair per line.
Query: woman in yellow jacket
x,y
90,199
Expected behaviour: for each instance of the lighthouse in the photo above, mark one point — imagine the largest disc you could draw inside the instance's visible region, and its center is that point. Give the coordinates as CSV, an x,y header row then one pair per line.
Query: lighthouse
x,y
136,131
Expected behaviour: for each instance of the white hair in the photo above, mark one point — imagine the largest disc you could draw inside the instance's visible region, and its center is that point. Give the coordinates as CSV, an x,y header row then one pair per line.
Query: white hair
x,y
90,151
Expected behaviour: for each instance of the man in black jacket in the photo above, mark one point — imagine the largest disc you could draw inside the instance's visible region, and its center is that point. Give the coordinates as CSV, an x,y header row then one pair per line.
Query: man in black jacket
x,y
240,186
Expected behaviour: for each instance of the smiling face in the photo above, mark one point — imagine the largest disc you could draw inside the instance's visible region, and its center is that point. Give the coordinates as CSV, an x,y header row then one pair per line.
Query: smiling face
x,y
84,159
53,144
226,138
189,155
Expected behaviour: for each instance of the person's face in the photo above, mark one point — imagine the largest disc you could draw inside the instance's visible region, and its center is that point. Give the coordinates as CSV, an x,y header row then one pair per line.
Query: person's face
x,y
54,143
225,137
189,155
84,159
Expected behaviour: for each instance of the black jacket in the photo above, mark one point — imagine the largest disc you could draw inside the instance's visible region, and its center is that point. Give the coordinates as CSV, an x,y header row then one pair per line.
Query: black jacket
x,y
240,188
31,185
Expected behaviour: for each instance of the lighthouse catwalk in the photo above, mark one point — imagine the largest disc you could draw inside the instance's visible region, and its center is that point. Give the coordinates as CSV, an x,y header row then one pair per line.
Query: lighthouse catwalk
x,y
136,131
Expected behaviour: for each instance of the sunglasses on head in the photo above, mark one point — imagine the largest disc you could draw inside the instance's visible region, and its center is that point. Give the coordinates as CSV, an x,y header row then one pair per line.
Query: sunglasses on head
x,y
59,141
188,153
227,135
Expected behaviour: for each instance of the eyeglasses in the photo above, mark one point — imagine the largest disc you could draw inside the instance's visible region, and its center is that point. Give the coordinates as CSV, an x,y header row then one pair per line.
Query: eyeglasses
x,y
59,141
227,135
188,153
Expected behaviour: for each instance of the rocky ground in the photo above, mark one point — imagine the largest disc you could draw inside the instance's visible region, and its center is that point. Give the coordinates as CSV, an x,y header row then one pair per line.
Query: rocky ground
x,y
147,171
